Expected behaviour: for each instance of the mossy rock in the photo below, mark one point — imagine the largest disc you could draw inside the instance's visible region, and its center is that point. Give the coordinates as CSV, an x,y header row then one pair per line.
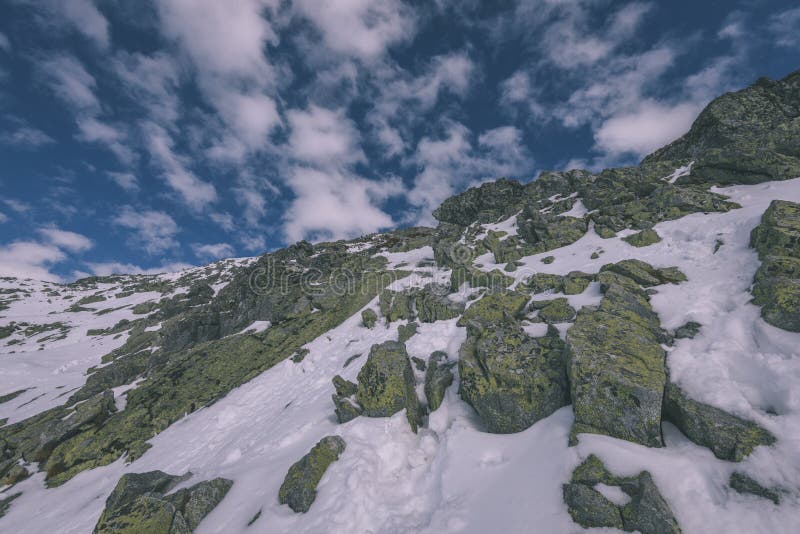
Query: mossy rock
x,y
617,366
428,304
386,383
406,331
547,260
369,318
139,504
646,512
729,437
494,279
644,238
688,331
438,377
576,282
554,311
643,273
495,307
511,379
299,488
541,282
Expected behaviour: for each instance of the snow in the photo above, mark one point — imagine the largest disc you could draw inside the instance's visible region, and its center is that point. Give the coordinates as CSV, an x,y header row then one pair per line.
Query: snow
x,y
679,172
577,210
256,328
453,477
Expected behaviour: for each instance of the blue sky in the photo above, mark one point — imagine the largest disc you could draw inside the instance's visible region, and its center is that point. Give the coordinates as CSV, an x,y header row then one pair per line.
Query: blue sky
x,y
145,136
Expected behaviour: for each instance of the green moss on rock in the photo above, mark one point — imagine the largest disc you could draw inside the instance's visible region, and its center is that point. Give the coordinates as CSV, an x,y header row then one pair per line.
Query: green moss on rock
x,y
299,488
438,377
386,383
494,307
643,239
369,318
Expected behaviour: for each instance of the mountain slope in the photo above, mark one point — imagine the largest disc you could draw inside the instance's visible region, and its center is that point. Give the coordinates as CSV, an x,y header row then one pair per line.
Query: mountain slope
x,y
226,371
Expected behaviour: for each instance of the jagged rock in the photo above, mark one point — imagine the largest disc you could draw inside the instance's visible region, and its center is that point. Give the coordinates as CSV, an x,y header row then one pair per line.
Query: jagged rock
x,y
688,331
541,282
547,232
576,282
406,331
139,504
477,278
13,474
386,383
728,436
554,311
5,502
777,282
429,304
299,488
438,377
505,249
11,396
643,273
647,512
742,483
487,203
510,379
643,239
494,307
345,388
617,366
369,318
419,364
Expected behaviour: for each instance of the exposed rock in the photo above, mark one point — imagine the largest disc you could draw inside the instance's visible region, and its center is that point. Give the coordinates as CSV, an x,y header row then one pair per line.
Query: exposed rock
x,y
139,504
487,203
617,366
729,437
647,512
643,273
510,379
576,282
554,311
429,304
299,488
777,282
744,484
369,318
345,388
5,502
438,377
476,278
548,260
406,331
548,232
419,364
346,409
688,331
643,239
386,383
494,307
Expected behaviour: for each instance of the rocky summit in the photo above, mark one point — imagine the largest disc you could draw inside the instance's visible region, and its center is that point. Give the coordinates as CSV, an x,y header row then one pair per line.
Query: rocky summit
x,y
610,349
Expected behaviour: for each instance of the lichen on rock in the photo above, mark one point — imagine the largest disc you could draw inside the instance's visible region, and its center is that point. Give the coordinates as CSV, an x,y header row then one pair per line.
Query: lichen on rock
x,y
299,488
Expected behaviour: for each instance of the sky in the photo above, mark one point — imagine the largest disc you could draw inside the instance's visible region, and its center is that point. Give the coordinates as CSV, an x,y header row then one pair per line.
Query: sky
x,y
148,136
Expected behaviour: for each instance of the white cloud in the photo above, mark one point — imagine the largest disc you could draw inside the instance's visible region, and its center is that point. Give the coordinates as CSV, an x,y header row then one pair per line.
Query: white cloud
x,y
28,259
71,82
5,44
224,220
151,82
3,217
26,137
95,131
71,241
360,28
454,160
196,193
649,127
109,268
213,252
17,205
84,17
334,205
125,180
785,26
153,231
324,137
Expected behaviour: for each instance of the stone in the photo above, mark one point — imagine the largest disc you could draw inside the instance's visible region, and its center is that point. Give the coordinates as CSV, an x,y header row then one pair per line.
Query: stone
x,y
729,437
369,318
688,331
547,260
617,367
643,239
643,273
428,304
494,307
139,504
438,377
745,484
346,409
406,331
511,379
576,282
541,282
299,488
647,512
554,311
589,508
345,388
419,364
386,383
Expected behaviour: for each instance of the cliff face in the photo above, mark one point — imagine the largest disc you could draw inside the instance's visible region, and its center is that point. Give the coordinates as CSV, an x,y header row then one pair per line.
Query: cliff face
x,y
580,309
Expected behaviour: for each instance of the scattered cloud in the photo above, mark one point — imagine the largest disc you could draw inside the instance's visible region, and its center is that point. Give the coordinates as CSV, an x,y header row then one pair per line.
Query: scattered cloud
x,y
29,259
125,180
17,205
109,268
3,217
5,44
81,16
213,252
70,241
26,137
70,81
152,231
784,25
324,137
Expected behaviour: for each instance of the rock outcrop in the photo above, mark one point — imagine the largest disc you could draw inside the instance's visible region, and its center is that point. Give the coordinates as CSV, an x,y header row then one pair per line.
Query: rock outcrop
x,y
299,488
438,377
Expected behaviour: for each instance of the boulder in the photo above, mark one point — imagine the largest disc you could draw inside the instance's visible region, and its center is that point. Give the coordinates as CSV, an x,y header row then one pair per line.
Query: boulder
x,y
494,307
429,304
745,484
643,239
299,488
729,437
406,331
643,273
438,377
386,383
139,504
369,318
554,311
616,366
511,379
688,331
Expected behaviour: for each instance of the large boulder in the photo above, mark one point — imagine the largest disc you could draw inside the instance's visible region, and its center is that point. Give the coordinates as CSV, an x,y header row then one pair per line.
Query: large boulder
x,y
511,379
347,408
643,273
299,488
646,510
545,232
729,437
139,503
429,304
777,282
495,307
617,366
386,383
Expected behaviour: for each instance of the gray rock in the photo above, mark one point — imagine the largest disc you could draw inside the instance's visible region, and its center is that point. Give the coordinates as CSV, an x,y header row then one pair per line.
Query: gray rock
x,y
438,377
746,485
299,488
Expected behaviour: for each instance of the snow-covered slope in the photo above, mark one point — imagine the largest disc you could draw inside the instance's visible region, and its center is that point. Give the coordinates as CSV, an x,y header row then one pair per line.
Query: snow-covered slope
x,y
452,476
